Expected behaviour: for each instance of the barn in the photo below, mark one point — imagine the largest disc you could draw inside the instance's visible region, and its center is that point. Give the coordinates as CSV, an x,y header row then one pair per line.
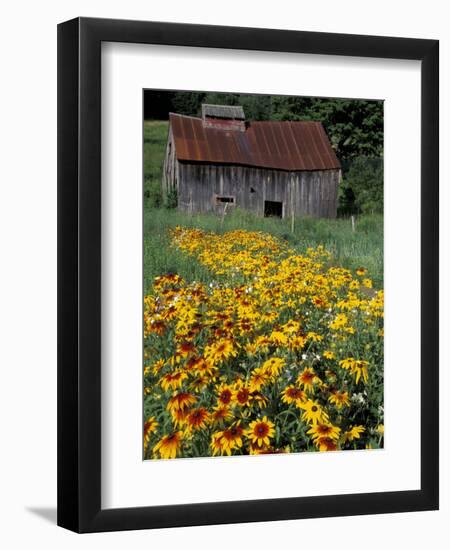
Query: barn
x,y
273,168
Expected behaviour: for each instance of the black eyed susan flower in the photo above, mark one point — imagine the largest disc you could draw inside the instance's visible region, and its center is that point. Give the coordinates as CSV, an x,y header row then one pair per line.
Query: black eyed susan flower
x,y
326,443
219,351
260,431
232,438
359,369
186,349
354,433
273,366
221,414
173,380
150,426
197,419
307,379
318,431
339,398
259,399
168,446
312,412
242,394
217,445
292,394
180,401
258,379
225,394
179,417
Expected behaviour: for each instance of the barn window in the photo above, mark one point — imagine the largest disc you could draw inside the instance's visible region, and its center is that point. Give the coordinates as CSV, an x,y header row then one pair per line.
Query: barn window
x,y
273,208
224,198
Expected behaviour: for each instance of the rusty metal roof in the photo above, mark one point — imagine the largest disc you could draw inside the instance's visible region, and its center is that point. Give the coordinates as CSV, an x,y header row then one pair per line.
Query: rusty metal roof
x,y
283,145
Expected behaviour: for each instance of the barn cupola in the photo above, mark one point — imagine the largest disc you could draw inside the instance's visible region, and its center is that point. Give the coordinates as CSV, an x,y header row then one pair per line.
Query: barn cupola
x,y
223,117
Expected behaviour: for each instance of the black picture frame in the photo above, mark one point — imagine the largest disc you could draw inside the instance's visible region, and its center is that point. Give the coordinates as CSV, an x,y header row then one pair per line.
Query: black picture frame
x,y
79,274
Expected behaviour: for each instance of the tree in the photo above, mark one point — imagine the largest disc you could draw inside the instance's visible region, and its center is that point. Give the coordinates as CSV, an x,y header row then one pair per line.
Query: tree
x,y
364,179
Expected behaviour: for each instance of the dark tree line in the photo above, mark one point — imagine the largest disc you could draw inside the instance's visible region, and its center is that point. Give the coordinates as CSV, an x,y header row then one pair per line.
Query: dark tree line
x,y
354,126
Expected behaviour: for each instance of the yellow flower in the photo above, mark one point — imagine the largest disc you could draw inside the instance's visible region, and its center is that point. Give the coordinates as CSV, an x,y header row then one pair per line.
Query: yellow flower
x,y
313,412
231,438
217,446
339,321
258,379
273,366
225,394
242,393
197,419
314,336
220,351
168,446
260,431
173,380
340,399
326,444
278,338
292,394
180,401
358,367
150,426
158,366
221,414
353,433
307,379
320,430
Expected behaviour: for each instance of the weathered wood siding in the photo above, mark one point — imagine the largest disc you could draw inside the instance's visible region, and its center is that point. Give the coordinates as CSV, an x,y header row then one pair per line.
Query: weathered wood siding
x,y
306,193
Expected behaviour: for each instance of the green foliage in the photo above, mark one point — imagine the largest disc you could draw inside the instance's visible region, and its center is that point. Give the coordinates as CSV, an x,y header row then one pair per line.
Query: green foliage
x,y
187,103
172,198
364,181
152,193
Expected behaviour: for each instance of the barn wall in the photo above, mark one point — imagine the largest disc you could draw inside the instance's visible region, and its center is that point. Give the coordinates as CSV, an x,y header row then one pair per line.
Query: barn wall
x,y
304,193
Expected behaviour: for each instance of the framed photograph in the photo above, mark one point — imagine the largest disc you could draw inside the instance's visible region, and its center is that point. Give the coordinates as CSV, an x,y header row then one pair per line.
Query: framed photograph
x,y
247,276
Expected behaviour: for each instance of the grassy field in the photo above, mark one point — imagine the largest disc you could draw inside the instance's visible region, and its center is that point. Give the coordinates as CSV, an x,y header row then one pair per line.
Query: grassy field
x,y
364,247
155,139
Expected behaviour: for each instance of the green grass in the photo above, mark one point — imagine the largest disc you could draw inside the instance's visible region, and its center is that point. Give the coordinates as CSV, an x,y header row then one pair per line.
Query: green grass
x,y
155,139
364,247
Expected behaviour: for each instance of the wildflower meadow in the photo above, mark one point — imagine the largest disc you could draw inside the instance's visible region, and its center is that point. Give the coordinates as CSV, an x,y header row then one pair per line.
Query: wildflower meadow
x,y
271,349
